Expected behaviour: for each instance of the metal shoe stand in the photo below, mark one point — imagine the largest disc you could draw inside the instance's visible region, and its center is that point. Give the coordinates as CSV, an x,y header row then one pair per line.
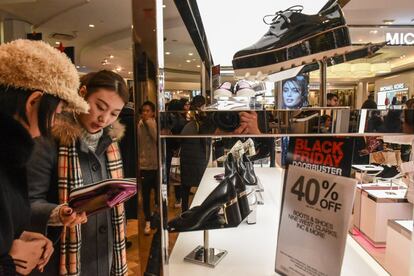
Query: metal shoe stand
x,y
204,255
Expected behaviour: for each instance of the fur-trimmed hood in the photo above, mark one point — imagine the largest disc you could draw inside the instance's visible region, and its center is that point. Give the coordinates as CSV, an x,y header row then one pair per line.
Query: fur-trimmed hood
x,y
16,144
66,130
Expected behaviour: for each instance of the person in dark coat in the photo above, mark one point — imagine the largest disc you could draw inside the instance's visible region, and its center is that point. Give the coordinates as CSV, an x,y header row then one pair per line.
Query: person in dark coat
x,y
369,103
29,101
91,137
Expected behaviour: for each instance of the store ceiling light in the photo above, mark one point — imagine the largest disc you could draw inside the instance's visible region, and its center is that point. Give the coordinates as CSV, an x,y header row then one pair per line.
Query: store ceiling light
x,y
344,67
198,66
57,42
381,68
91,26
168,53
373,31
188,61
243,32
388,21
190,54
111,56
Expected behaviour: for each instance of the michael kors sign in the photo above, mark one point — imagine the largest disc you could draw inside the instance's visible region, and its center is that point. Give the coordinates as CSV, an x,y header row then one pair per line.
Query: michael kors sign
x,y
399,38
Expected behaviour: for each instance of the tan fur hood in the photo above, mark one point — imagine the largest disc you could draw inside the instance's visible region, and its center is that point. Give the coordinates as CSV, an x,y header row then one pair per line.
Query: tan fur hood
x,y
66,130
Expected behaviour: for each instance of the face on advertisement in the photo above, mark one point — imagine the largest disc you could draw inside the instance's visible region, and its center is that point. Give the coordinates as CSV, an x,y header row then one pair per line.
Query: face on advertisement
x,y
292,94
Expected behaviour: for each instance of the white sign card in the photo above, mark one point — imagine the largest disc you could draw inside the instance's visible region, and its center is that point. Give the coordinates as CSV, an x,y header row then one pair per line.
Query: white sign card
x,y
314,223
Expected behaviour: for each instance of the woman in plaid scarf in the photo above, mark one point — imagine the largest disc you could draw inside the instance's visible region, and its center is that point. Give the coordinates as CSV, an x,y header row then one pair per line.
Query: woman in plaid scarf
x,y
84,150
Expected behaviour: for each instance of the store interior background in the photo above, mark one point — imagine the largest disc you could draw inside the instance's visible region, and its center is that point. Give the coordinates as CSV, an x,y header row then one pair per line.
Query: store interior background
x,y
109,34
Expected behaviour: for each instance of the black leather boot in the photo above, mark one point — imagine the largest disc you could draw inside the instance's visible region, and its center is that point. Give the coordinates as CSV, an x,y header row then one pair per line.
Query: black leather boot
x,y
295,39
220,209
246,171
241,194
229,165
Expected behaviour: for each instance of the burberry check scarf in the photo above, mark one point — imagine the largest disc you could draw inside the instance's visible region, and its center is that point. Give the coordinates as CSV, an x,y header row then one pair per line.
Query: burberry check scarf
x,y
70,176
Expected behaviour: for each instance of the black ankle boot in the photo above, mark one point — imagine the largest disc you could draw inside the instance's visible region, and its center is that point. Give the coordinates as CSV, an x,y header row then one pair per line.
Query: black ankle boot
x,y
246,171
220,209
229,165
241,194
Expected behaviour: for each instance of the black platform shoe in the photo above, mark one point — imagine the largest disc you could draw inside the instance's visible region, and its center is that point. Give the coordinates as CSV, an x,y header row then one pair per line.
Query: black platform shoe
x,y
246,171
242,194
220,209
295,39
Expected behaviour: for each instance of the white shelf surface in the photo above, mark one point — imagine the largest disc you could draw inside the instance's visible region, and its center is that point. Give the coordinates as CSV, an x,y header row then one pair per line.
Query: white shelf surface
x,y
252,248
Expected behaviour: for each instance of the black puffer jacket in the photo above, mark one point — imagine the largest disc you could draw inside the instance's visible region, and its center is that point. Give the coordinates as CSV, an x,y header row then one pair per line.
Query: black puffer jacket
x,y
16,146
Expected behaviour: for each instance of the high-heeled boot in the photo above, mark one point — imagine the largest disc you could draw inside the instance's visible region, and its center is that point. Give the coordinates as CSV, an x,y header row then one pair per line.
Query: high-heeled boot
x,y
246,171
220,209
242,194
230,165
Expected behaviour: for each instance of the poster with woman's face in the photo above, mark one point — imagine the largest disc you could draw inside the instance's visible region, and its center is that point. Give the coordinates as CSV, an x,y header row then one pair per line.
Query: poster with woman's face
x,y
295,92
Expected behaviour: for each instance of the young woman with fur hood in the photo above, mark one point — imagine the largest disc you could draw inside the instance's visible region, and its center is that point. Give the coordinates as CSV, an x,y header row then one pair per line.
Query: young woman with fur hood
x,y
35,80
83,150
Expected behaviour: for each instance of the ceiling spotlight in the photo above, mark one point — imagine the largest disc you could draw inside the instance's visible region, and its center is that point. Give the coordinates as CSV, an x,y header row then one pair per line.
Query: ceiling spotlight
x,y
91,26
198,66
403,56
373,32
77,66
57,42
83,66
190,54
168,53
164,6
359,40
129,73
388,21
118,69
111,56
188,61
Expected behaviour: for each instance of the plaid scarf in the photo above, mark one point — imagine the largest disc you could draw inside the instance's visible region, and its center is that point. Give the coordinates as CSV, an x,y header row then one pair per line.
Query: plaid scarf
x,y
69,177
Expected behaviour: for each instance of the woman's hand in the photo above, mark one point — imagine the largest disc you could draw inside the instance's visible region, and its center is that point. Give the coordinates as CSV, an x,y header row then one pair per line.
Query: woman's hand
x,y
248,123
27,254
70,218
47,249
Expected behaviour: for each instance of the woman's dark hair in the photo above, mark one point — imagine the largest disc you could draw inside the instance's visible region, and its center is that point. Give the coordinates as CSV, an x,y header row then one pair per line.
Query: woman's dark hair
x,y
198,101
175,105
107,80
13,102
150,104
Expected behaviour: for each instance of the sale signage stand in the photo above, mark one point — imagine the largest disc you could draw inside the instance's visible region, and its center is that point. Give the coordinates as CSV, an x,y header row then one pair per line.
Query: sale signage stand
x,y
314,222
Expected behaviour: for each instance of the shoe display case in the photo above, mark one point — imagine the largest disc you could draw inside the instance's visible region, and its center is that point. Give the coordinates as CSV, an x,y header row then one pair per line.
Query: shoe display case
x,y
231,228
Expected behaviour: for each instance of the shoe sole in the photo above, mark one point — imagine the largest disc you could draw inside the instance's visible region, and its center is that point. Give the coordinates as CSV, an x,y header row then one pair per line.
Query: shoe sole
x,y
295,54
310,63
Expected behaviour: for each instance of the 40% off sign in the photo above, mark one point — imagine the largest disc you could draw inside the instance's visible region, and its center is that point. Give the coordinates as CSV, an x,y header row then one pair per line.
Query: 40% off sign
x,y
316,192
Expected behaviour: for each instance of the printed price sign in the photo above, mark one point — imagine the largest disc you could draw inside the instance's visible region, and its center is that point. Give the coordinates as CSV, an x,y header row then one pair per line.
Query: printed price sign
x,y
314,223
331,155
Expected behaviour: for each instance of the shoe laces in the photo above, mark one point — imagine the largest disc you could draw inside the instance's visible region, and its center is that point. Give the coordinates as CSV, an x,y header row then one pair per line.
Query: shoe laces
x,y
282,14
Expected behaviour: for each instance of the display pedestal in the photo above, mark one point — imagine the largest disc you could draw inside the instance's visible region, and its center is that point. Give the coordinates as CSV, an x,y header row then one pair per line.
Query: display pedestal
x,y
379,206
204,255
397,255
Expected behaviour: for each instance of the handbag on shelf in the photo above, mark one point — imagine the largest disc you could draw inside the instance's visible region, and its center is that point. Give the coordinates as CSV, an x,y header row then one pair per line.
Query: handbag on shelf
x,y
102,195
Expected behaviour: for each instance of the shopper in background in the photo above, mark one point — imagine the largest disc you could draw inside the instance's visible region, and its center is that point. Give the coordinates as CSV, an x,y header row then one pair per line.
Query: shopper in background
x,y
194,154
148,161
84,151
369,103
178,121
185,104
35,81
332,100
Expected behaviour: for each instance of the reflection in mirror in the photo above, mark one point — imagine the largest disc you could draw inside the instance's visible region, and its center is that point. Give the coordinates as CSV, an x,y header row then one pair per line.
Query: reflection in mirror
x,y
338,121
95,35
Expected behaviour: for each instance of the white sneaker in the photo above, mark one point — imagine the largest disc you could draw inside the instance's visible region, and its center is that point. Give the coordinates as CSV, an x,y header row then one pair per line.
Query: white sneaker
x,y
244,89
147,229
224,90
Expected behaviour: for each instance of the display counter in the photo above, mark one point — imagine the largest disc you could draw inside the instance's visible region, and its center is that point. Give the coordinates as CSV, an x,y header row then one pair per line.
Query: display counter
x,y
399,235
252,248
